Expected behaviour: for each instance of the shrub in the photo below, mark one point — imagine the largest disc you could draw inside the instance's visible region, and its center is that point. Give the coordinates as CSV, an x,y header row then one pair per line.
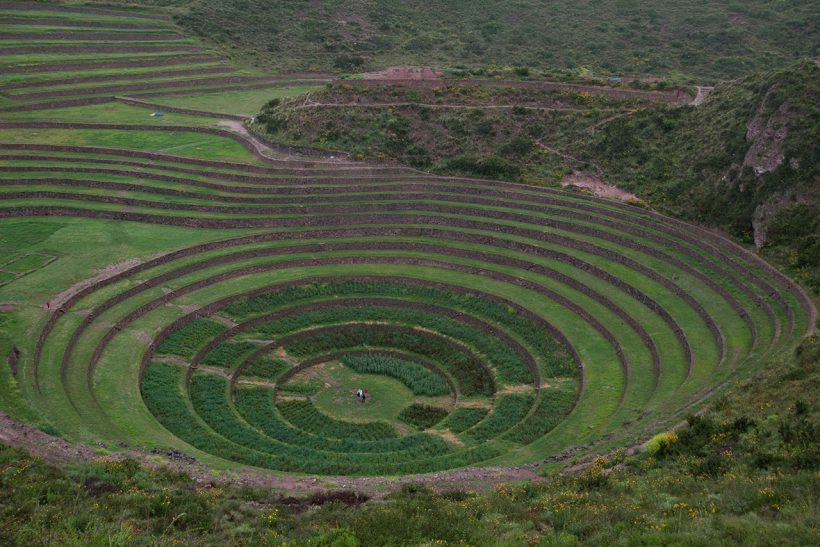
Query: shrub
x,y
658,441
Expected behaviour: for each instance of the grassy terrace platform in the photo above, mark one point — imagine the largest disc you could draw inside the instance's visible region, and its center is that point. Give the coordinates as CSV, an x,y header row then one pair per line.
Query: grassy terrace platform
x,y
209,292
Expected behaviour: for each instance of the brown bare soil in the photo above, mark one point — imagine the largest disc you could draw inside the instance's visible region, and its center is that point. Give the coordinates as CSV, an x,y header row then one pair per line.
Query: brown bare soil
x,y
447,435
597,186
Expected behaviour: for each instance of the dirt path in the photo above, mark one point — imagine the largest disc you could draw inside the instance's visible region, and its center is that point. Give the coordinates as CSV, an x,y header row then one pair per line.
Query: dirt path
x,y
266,150
703,92
108,271
60,452
312,104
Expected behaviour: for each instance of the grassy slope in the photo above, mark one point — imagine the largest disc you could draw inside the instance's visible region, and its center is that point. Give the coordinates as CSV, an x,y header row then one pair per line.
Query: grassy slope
x,y
699,163
705,40
690,162
743,473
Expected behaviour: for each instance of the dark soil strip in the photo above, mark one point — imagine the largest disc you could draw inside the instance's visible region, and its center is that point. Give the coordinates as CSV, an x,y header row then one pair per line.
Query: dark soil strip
x,y
114,63
114,77
55,22
14,357
40,6
100,48
265,186
55,35
131,87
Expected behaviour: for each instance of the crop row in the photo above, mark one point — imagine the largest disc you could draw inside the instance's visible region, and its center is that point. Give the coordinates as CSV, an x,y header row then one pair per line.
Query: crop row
x,y
463,418
511,317
419,379
471,374
506,356
256,406
264,367
208,398
305,416
509,410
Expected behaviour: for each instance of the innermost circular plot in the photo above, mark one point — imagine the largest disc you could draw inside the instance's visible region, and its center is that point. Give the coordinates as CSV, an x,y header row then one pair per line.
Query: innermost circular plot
x,y
335,393
269,377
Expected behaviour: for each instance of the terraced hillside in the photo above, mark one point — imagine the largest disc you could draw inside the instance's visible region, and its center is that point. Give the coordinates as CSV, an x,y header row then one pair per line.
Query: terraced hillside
x,y
183,283
53,55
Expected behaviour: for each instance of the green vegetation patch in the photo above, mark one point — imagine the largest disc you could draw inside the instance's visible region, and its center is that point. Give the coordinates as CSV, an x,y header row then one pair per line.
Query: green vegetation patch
x,y
265,367
509,409
307,417
464,418
186,340
420,380
422,416
229,354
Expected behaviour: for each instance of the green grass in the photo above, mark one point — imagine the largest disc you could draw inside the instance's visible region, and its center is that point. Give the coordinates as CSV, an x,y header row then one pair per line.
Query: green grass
x,y
386,396
184,144
112,113
26,263
245,102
